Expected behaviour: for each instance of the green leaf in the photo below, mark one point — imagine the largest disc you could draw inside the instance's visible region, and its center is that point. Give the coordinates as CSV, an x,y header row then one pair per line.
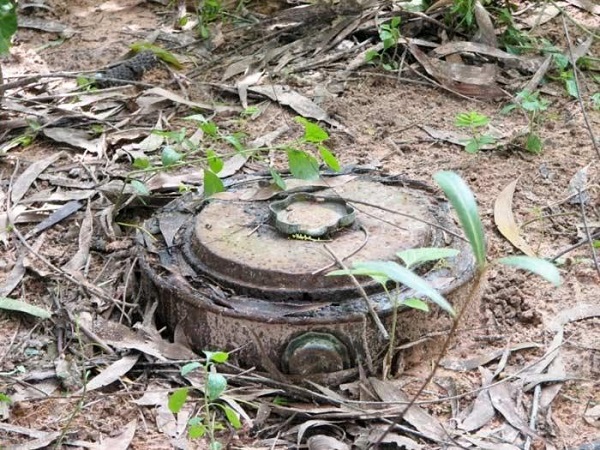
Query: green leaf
x,y
416,303
571,87
413,256
210,128
215,445
400,274
5,398
140,187
471,119
212,183
277,179
370,55
215,385
596,101
329,159
214,161
177,399
534,143
170,156
218,357
463,201
10,304
508,108
189,367
312,132
374,274
8,24
472,146
196,431
141,163
160,53
302,165
234,140
486,139
538,266
232,417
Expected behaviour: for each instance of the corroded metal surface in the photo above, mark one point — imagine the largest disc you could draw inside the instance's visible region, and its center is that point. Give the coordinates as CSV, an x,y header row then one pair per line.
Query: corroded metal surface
x,y
221,272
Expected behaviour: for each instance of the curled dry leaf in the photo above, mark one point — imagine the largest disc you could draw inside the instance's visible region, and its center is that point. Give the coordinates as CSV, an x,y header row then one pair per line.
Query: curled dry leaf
x,y
323,442
505,220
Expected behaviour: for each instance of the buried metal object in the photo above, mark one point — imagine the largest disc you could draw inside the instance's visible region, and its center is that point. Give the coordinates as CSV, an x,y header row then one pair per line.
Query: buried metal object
x,y
246,270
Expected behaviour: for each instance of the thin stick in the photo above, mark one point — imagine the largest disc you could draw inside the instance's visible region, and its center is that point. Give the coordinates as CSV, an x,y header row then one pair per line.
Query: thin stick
x,y
576,80
364,295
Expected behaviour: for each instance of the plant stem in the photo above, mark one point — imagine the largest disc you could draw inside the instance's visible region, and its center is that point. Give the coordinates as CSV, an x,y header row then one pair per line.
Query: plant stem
x,y
480,278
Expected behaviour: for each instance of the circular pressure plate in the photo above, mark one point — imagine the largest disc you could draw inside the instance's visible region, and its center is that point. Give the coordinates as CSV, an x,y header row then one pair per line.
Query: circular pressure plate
x,y
238,243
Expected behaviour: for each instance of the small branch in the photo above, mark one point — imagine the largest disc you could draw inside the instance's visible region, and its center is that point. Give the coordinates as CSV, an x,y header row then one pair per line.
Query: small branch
x,y
577,85
364,295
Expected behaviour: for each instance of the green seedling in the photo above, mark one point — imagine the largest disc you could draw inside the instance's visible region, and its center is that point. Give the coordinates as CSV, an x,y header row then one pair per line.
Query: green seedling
x,y
8,25
389,34
475,122
595,101
465,206
209,417
532,105
178,150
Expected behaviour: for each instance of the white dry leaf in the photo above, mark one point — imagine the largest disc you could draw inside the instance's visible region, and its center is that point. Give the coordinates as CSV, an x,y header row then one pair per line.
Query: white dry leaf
x,y
75,138
122,441
29,175
112,373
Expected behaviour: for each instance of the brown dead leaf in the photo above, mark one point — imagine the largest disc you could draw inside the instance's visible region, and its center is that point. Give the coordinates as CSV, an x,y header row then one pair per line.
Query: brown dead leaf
x,y
426,424
477,361
161,93
505,220
122,441
466,80
284,95
578,312
587,5
78,261
502,399
323,442
487,33
483,410
75,138
29,175
112,373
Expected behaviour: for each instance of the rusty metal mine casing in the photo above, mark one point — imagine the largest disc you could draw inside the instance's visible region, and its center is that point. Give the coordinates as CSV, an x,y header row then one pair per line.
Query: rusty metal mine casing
x,y
246,270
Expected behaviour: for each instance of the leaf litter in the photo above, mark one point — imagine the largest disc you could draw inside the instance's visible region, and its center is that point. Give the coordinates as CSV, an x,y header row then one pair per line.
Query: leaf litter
x,y
483,80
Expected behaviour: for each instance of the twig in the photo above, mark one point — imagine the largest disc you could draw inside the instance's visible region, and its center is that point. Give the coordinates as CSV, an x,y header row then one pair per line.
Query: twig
x,y
352,253
364,295
576,246
578,87
533,418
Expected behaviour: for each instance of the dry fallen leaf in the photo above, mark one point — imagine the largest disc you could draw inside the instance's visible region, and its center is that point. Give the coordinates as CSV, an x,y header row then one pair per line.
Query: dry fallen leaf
x,y
505,221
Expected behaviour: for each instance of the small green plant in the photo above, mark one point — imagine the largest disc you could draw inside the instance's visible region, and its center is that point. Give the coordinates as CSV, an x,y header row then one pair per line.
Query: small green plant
x,y
532,105
596,101
475,121
209,417
8,25
464,11
465,206
210,11
389,34
180,150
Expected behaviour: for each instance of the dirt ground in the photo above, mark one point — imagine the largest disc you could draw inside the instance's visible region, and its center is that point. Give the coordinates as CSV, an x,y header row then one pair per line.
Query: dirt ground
x,y
383,120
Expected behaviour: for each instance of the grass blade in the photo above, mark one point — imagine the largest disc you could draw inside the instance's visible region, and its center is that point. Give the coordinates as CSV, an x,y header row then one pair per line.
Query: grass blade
x,y
400,274
538,266
463,201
